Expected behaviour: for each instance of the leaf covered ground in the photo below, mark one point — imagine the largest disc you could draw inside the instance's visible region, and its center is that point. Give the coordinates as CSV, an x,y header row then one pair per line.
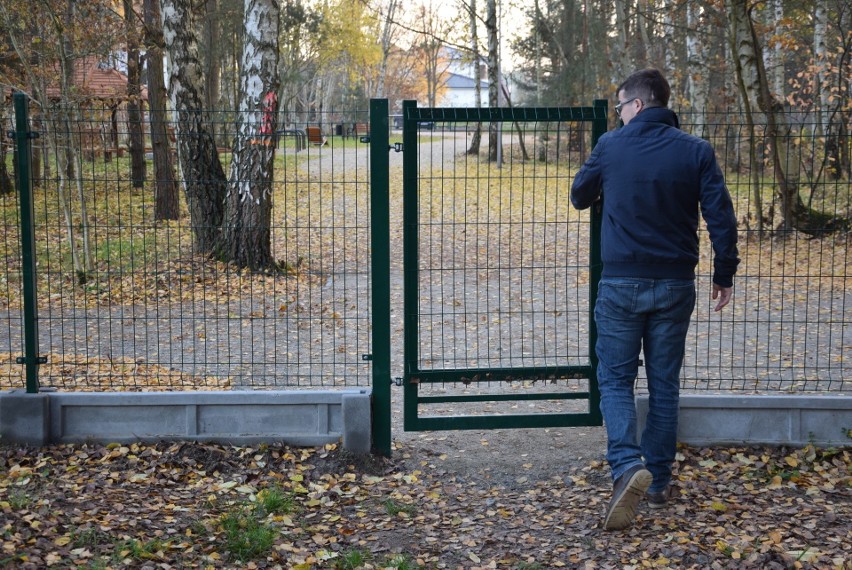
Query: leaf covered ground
x,y
202,505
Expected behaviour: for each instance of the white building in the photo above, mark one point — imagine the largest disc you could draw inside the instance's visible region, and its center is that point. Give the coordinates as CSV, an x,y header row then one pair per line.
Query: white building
x,y
460,91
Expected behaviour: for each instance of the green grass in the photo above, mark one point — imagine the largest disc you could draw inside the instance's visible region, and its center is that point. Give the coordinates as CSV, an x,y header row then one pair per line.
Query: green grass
x,y
352,560
19,499
246,537
136,550
394,508
274,501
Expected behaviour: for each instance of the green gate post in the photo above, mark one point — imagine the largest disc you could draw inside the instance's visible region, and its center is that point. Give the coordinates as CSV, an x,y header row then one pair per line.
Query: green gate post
x,y
380,269
599,127
410,215
23,174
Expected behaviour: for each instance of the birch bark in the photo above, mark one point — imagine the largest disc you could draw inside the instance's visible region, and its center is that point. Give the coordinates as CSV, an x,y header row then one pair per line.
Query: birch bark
x,y
204,179
245,239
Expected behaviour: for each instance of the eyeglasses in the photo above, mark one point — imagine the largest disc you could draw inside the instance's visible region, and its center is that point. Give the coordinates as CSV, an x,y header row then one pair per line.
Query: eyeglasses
x,y
621,104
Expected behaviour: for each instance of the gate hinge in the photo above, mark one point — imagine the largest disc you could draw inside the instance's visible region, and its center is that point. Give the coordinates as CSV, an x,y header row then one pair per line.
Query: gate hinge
x,y
365,139
398,381
30,134
396,147
38,360
366,357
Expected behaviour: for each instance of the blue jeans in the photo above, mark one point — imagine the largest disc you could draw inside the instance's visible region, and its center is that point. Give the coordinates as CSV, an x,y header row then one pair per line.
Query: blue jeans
x,y
652,315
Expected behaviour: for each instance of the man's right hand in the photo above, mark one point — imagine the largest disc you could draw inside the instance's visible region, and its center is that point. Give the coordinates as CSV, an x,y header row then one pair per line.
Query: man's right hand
x,y
724,295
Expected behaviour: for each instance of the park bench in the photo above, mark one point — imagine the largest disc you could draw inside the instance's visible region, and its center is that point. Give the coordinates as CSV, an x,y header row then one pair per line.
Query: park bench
x,y
315,136
358,130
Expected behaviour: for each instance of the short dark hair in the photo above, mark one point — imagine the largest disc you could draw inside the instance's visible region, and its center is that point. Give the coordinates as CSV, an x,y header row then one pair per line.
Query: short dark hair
x,y
649,85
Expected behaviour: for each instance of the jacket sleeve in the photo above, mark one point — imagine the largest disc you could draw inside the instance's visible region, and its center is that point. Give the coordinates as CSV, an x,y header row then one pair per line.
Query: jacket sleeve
x,y
588,181
717,209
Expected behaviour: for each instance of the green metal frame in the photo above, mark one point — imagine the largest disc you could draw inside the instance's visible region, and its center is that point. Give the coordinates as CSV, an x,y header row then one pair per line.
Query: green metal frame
x,y
413,376
23,175
380,270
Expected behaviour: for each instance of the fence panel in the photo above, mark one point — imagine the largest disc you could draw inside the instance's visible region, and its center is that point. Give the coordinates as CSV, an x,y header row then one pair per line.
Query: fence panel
x,y
140,310
789,327
151,314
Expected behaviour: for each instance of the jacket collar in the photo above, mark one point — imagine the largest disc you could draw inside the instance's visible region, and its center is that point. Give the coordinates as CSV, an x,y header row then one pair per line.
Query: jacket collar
x,y
657,115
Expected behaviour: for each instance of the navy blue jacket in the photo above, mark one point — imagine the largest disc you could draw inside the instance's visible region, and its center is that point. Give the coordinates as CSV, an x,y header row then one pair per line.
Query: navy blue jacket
x,y
654,178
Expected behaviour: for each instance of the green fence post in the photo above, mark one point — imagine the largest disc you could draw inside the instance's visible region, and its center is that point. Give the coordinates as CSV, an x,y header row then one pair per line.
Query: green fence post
x,y
599,127
380,269
410,236
23,174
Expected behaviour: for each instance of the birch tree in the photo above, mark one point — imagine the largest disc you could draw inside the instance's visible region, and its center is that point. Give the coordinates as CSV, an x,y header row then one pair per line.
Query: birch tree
x,y
821,82
493,75
476,138
203,177
698,80
245,237
784,154
386,39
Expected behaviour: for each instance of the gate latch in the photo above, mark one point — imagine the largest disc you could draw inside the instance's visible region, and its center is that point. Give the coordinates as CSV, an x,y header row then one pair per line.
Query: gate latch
x,y
396,147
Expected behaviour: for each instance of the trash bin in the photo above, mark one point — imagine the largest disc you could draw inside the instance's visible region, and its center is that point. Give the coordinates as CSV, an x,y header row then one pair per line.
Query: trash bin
x,y
338,129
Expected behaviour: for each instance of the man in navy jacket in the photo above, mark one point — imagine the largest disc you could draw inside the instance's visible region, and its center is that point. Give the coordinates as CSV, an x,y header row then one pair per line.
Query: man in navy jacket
x,y
653,179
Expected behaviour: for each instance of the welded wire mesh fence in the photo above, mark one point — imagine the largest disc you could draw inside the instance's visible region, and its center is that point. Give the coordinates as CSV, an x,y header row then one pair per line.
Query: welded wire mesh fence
x,y
503,259
126,302
789,328
132,305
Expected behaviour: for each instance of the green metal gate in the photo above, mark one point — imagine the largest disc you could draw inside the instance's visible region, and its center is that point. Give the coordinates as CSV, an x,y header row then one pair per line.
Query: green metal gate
x,y
500,274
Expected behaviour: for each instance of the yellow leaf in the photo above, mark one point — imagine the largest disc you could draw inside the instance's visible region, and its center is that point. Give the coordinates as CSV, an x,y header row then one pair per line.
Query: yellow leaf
x,y
791,461
63,540
719,507
775,483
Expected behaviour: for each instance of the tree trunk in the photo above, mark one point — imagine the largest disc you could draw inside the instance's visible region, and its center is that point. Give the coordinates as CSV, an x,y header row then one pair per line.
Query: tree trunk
x,y
775,61
134,100
6,184
204,179
387,44
697,67
246,234
622,60
212,75
493,76
783,152
754,171
68,171
165,185
476,139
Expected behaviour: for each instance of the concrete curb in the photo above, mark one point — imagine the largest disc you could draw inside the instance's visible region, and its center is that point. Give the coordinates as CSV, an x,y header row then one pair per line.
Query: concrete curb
x,y
305,418
718,419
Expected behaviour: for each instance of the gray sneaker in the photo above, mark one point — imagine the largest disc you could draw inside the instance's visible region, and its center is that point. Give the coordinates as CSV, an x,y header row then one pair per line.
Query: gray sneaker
x,y
658,500
627,491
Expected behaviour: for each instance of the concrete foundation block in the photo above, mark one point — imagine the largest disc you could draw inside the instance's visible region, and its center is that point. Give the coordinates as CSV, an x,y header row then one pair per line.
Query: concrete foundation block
x,y
716,419
24,418
304,418
357,422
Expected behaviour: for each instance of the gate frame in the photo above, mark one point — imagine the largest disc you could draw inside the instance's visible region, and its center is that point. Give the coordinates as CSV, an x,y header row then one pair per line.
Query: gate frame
x,y
413,376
